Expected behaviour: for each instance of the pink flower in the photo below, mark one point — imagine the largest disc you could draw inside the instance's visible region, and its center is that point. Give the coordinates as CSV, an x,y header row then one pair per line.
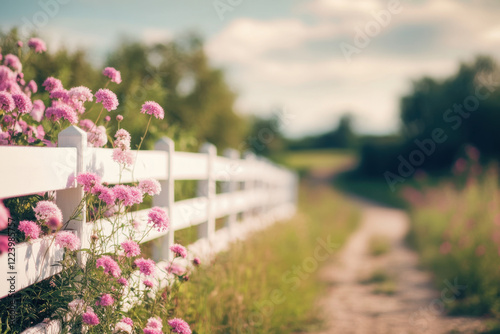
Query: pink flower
x,y
122,139
107,118
13,61
90,318
150,330
20,44
105,194
106,300
121,327
146,266
179,250
129,195
4,216
38,110
22,102
67,240
113,74
153,108
32,86
123,281
6,102
54,223
88,180
86,124
154,322
176,269
128,321
110,266
159,218
45,210
61,110
148,283
179,326
30,229
196,261
97,137
52,84
119,118
61,94
76,306
445,248
123,157
108,99
4,244
150,186
37,44
131,248
81,93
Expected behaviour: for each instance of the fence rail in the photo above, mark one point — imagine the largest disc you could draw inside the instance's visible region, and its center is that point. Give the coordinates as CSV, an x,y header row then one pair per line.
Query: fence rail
x,y
253,188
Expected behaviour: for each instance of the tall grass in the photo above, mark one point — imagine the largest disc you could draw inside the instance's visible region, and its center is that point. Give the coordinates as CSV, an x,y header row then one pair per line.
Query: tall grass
x,y
456,229
268,283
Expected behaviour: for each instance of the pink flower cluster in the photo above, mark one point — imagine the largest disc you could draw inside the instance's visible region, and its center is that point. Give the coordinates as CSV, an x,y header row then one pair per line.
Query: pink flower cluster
x,y
113,74
150,186
67,240
179,250
106,300
159,218
37,44
153,326
153,108
90,318
179,326
131,248
146,266
122,153
30,229
110,266
127,195
108,99
88,181
44,210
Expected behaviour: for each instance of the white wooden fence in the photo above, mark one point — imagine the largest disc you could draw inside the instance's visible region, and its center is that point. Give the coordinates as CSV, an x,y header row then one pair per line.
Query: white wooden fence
x,y
259,190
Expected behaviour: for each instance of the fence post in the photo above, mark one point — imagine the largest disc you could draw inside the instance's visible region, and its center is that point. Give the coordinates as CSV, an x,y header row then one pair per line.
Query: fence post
x,y
249,184
161,250
207,188
231,186
69,199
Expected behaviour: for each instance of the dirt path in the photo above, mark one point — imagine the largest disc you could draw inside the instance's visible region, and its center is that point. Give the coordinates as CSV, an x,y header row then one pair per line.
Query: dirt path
x,y
415,307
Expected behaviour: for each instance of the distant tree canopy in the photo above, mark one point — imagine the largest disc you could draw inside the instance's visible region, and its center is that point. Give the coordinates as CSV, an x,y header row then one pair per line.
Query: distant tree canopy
x,y
463,108
197,100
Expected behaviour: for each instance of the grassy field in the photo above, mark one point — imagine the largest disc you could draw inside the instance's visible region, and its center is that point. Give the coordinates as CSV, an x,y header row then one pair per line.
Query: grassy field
x,y
268,283
317,160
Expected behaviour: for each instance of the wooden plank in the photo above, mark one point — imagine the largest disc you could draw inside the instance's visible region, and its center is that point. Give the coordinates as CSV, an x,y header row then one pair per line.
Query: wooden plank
x,y
30,170
189,166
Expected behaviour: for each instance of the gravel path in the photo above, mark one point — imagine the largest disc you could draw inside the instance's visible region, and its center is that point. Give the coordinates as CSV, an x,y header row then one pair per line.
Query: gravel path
x,y
416,307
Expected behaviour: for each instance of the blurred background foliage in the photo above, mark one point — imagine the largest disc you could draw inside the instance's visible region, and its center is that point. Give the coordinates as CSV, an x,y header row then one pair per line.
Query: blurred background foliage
x,y
198,102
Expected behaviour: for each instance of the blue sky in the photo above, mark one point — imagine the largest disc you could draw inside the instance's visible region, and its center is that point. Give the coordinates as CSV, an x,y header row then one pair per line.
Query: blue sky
x,y
289,53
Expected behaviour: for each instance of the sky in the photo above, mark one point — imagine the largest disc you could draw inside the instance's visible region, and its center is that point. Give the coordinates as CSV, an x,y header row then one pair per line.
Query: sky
x,y
315,59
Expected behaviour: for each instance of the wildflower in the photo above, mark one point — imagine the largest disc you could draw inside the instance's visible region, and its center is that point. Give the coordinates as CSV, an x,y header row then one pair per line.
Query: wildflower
x,y
150,186
4,244
113,74
86,124
6,102
153,108
123,281
128,321
122,327
19,44
38,110
106,300
97,137
445,248
175,269
149,330
4,216
61,110
105,194
80,93
76,306
128,195
61,94
88,180
154,322
30,229
119,118
131,248
122,139
37,44
148,283
108,99
32,86
14,62
67,240
179,250
110,266
90,318
22,102
54,223
179,326
45,210
107,118
159,218
123,157
52,84
146,266
196,261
